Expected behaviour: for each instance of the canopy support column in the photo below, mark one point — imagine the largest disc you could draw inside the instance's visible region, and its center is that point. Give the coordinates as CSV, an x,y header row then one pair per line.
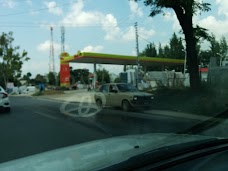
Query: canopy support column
x,y
95,75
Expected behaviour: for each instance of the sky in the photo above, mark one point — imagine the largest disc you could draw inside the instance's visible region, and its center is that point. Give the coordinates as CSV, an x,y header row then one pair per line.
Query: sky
x,y
95,26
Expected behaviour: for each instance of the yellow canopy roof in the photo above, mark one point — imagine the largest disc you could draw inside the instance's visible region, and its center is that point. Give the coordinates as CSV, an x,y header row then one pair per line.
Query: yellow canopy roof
x,y
100,58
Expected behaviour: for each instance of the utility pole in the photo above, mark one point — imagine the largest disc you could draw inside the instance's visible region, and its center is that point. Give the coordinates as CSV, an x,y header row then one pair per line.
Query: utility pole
x,y
137,53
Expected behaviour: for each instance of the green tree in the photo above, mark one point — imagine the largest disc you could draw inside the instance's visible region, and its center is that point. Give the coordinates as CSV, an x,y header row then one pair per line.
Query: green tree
x,y
218,48
103,76
117,80
40,79
149,51
176,47
51,78
79,75
214,46
11,60
223,48
166,51
160,51
204,57
184,10
27,77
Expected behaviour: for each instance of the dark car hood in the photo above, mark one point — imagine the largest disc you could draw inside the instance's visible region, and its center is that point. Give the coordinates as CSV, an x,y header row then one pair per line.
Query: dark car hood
x,y
97,154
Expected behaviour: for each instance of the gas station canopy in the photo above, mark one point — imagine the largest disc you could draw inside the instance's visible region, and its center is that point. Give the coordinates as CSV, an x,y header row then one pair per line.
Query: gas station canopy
x,y
100,58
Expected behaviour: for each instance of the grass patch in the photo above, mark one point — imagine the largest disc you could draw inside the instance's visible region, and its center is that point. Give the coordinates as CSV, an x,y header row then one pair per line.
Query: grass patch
x,y
38,93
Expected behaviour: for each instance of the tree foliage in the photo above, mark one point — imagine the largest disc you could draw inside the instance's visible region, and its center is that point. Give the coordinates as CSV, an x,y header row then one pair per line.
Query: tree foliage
x,y
177,50
174,49
149,51
217,48
27,77
11,59
51,78
103,76
40,79
79,75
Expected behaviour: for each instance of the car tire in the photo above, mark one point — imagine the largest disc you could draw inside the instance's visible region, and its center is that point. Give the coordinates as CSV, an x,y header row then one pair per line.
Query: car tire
x,y
126,105
99,103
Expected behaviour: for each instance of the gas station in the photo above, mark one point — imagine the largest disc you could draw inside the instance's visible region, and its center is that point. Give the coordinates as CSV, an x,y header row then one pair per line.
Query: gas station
x,y
100,58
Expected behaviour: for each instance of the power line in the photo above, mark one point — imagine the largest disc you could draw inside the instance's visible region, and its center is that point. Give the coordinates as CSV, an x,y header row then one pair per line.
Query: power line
x,y
37,10
56,25
144,39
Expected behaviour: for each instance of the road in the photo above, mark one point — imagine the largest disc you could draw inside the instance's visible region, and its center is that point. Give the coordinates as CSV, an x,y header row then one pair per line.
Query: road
x,y
37,125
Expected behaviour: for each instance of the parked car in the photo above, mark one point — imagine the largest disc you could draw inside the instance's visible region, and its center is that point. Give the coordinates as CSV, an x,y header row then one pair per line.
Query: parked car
x,y
4,100
122,95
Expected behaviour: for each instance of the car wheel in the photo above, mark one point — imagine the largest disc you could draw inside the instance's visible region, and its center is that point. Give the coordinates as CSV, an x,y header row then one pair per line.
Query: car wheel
x,y
7,109
126,105
99,103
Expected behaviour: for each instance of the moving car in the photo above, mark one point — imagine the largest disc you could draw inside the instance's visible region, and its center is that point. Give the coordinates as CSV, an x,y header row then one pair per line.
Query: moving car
x,y
123,95
4,100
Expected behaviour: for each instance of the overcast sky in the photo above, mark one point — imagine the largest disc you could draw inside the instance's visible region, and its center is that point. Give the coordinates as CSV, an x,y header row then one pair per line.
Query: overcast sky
x,y
105,26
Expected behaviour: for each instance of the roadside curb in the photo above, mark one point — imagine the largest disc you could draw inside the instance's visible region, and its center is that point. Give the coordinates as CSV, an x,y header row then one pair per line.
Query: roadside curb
x,y
177,114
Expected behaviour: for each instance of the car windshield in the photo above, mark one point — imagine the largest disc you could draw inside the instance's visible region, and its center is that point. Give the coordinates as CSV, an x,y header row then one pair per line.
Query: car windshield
x,y
92,72
127,88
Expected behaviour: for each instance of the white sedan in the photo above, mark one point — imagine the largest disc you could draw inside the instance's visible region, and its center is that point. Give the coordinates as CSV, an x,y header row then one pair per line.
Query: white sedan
x,y
4,100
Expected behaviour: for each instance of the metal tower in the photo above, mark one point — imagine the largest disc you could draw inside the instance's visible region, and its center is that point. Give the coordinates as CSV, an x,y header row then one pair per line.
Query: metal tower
x,y
51,57
62,39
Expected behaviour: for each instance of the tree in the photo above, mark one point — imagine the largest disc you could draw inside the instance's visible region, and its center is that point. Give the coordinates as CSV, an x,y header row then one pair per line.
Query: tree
x,y
166,51
215,46
184,10
150,51
40,79
103,76
223,48
51,78
11,60
176,47
79,75
117,80
219,48
160,51
204,57
27,77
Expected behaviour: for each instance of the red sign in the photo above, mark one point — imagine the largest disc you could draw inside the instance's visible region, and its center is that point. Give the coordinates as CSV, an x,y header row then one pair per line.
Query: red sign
x,y
203,69
65,74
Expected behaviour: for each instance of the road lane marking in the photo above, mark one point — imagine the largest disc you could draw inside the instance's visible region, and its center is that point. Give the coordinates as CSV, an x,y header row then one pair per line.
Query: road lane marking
x,y
46,115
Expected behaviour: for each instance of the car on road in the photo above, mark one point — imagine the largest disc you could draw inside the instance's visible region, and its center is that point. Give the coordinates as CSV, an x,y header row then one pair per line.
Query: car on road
x,y
123,95
4,100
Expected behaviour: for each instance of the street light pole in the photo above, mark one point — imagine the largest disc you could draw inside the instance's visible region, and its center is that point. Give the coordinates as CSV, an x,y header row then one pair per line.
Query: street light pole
x,y
185,61
137,53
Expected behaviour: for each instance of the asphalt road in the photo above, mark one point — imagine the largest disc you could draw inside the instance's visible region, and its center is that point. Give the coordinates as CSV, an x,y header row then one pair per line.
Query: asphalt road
x,y
37,125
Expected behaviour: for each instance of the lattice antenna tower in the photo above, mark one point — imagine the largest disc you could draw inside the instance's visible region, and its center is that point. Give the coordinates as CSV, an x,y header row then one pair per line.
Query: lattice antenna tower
x,y
52,56
62,39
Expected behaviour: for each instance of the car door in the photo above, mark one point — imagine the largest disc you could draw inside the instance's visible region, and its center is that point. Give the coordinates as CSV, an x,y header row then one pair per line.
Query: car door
x,y
112,98
103,94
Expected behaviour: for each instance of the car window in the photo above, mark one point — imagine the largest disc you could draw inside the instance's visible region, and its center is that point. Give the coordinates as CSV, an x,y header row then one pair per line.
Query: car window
x,y
112,88
104,89
127,87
